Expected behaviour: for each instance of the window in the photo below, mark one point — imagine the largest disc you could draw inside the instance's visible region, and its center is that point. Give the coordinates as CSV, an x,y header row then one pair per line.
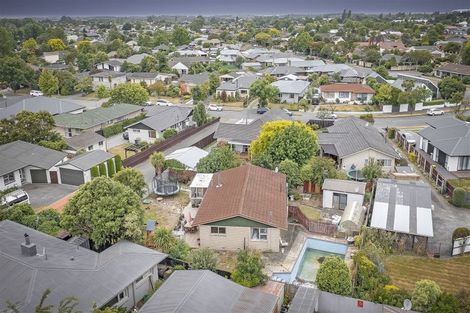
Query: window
x,y
135,130
292,95
90,148
121,296
142,278
215,230
100,143
340,200
9,178
384,162
152,134
100,79
68,132
259,233
343,94
464,163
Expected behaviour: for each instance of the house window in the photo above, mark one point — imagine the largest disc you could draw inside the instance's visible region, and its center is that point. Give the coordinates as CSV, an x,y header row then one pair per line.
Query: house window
x,y
68,132
215,230
464,163
135,130
120,297
9,178
100,79
90,148
292,95
344,94
259,233
152,134
340,200
100,143
385,162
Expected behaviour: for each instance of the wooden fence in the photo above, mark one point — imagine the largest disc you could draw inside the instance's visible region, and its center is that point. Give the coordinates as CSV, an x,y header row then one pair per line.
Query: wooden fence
x,y
312,226
166,144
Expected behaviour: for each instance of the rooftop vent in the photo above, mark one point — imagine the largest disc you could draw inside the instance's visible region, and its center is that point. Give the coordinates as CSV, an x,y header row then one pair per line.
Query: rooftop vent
x,y
28,248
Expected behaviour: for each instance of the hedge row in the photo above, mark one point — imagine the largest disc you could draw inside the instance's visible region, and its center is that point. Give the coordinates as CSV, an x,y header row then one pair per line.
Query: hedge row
x,y
119,127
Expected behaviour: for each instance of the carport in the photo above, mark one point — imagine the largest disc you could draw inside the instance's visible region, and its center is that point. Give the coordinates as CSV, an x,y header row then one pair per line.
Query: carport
x,y
71,177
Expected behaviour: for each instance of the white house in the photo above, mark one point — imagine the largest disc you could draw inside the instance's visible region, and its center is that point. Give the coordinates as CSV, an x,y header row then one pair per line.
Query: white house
x,y
109,79
338,193
347,93
86,141
291,91
113,65
52,57
180,68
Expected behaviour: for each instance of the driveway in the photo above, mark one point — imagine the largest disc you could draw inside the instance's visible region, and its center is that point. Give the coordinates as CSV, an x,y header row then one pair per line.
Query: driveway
x,y
42,195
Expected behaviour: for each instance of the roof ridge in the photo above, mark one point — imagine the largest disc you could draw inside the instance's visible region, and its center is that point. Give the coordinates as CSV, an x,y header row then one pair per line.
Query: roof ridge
x,y
191,291
244,187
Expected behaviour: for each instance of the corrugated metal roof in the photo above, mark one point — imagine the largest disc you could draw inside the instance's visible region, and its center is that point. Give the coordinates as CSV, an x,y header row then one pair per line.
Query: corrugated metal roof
x,y
305,300
161,118
84,140
88,160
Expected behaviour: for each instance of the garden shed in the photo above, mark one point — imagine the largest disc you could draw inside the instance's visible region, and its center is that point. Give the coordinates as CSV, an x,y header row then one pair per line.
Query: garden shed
x,y
352,218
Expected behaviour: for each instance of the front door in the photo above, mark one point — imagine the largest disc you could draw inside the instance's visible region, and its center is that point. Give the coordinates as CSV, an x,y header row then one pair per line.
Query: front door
x,y
54,177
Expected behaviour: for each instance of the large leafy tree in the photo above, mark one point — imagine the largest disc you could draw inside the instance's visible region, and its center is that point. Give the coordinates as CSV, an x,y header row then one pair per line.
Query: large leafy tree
x,y
466,54
15,72
317,169
48,83
263,38
200,114
220,158
263,89
7,43
282,140
133,179
372,170
56,44
129,93
249,269
197,23
450,85
105,211
302,42
292,171
333,276
180,36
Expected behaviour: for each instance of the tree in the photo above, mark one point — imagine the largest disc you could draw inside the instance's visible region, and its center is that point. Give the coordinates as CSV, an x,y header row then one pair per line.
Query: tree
x,y
94,172
180,250
200,114
56,44
425,295
197,94
292,171
383,94
197,23
180,36
85,85
133,179
214,83
111,169
131,93
286,140
449,85
29,49
466,54
302,42
372,170
157,159
317,169
382,71
15,72
203,259
263,38
263,89
163,239
102,168
458,196
220,158
7,42
333,276
158,88
169,132
249,269
48,83
446,303
105,211
102,92
118,161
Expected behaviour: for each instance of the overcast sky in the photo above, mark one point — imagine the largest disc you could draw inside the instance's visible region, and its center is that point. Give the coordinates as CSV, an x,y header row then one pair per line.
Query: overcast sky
x,y
214,7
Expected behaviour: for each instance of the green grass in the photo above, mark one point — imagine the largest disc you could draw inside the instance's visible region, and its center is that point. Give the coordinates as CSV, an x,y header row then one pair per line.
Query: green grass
x,y
451,273
463,183
310,213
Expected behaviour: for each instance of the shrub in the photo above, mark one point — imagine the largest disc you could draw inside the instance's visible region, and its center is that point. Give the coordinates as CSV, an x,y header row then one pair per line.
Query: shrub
x,y
390,133
391,295
102,168
94,172
203,259
169,132
367,117
111,169
119,127
118,161
249,269
412,157
173,164
460,233
333,276
425,295
446,303
458,196
179,250
163,239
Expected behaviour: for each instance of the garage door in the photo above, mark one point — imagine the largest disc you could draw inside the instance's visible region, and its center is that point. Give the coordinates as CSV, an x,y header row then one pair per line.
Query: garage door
x,y
38,176
71,177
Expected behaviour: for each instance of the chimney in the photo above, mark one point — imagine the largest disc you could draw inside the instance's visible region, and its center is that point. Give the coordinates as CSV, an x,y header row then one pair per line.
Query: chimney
x,y
28,248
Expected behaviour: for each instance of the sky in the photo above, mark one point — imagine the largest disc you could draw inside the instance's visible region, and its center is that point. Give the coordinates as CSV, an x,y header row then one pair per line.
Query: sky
x,y
218,7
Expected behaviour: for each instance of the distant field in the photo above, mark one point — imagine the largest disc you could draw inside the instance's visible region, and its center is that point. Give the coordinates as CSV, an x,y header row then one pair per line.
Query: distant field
x,y
451,274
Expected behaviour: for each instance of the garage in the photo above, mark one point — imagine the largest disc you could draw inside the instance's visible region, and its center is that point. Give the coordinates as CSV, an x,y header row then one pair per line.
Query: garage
x,y
38,176
71,177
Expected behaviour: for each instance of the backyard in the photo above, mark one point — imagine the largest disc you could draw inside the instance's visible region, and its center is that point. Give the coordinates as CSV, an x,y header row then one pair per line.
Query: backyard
x,y
166,211
452,274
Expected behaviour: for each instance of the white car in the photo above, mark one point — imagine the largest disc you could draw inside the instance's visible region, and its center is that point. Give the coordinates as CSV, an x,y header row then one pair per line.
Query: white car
x,y
213,107
331,116
433,112
164,103
35,93
15,197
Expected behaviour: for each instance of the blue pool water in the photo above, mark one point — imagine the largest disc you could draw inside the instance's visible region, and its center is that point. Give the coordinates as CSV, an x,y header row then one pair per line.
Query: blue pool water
x,y
307,264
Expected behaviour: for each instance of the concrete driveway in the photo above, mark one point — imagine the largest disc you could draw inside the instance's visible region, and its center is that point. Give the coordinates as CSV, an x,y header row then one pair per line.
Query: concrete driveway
x,y
42,195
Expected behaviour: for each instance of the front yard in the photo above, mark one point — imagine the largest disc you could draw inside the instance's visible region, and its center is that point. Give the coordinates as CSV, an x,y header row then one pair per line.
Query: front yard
x,y
452,274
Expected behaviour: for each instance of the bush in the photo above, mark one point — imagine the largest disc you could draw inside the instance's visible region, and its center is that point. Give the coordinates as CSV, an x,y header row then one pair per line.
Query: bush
x,y
249,269
333,276
118,161
173,164
458,196
102,92
425,295
412,157
460,233
111,169
391,295
203,259
390,133
446,303
119,127
94,172
367,117
169,132
102,168
425,68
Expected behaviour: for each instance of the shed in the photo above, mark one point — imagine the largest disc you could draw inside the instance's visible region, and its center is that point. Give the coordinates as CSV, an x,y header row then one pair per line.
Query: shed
x,y
352,218
339,193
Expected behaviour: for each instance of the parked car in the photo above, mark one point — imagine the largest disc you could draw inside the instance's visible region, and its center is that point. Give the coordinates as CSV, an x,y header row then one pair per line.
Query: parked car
x,y
213,107
433,112
125,135
148,104
15,197
35,93
331,116
287,112
262,110
164,103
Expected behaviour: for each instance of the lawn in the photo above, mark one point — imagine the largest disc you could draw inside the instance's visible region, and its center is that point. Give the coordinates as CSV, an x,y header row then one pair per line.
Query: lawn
x,y
289,106
345,107
119,150
311,213
452,274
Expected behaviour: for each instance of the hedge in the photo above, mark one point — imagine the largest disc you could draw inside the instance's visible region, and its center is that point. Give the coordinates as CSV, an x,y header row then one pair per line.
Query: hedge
x,y
119,127
458,197
118,162
434,102
111,170
460,232
94,172
102,169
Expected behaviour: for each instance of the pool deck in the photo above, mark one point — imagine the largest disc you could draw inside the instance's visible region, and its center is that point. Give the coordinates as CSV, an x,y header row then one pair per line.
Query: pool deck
x,y
287,263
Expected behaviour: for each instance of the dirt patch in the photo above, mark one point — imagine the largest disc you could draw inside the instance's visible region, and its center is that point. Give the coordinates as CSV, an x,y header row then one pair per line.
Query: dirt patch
x,y
166,211
119,150
226,260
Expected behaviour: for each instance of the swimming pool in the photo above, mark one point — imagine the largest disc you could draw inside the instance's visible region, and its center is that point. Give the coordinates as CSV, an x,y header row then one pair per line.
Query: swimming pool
x,y
307,263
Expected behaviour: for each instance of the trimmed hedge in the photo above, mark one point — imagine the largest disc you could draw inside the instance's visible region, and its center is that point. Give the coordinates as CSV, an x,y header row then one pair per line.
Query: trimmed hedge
x,y
118,162
119,127
458,197
111,170
102,168
94,172
434,102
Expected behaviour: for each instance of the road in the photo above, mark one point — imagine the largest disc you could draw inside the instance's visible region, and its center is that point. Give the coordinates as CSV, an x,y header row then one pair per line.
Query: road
x,y
406,121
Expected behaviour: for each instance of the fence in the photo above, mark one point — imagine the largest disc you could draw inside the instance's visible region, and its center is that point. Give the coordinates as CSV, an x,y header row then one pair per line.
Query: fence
x,y
162,146
461,246
312,226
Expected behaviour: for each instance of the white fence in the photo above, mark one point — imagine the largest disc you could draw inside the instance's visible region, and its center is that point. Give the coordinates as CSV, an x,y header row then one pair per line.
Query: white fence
x,y
388,108
461,246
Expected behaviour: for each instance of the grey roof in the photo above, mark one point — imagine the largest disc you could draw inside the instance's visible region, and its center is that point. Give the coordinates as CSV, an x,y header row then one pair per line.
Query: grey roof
x,y
84,140
448,134
142,75
189,60
202,291
106,74
241,82
348,186
291,86
305,300
307,63
89,159
68,270
196,79
18,154
352,135
283,70
137,58
161,118
36,104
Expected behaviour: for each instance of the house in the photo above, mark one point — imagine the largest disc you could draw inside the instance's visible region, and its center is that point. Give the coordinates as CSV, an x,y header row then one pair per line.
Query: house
x,y
31,262
198,188
201,291
239,85
113,65
452,69
38,104
243,207
404,208
443,150
69,125
352,142
86,141
109,79
159,119
279,71
419,82
229,56
251,65
22,163
137,58
291,91
188,81
347,93
180,68
338,193
434,50
53,56
189,157
143,77
77,171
